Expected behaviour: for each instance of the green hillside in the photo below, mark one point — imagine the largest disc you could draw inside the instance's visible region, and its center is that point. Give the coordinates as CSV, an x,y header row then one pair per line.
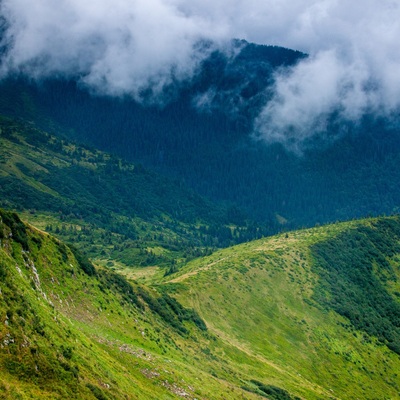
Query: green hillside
x,y
320,308
70,331
118,213
258,320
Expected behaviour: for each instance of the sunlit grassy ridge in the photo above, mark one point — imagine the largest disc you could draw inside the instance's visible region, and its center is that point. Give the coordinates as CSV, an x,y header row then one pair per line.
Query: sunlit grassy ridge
x,y
70,331
275,300
253,321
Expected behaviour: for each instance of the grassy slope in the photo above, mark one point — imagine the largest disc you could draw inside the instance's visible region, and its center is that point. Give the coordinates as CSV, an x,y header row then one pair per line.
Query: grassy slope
x,y
272,299
67,334
269,334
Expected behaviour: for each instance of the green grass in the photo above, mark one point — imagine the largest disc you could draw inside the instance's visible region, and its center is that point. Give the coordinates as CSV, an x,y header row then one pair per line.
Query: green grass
x,y
262,298
67,333
79,332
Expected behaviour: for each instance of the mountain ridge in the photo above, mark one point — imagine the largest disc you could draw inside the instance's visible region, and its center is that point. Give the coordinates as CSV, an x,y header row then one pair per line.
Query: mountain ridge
x,y
283,283
174,337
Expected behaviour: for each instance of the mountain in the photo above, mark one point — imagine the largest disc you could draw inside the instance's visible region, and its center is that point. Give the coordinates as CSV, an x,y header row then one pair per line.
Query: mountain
x,y
309,304
311,314
116,212
200,133
307,314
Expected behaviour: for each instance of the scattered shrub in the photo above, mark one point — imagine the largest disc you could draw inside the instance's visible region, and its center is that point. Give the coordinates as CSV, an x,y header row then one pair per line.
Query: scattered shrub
x,y
97,392
18,228
269,391
83,262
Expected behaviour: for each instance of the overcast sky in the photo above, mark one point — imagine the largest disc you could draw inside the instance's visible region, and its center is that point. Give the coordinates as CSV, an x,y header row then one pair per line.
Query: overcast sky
x,y
122,46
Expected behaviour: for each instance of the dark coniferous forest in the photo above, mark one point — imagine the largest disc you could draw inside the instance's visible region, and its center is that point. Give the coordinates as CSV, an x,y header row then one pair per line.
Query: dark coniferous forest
x,y
201,132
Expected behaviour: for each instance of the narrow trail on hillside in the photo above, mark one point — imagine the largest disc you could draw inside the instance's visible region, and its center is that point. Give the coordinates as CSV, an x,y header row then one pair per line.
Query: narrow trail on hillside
x,y
195,272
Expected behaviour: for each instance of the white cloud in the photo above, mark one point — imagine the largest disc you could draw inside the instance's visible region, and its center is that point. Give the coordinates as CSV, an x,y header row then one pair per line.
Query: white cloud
x,y
353,69
117,46
123,46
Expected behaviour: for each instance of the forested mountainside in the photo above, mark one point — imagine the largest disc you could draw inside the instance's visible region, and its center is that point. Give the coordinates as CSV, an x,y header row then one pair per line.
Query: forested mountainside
x,y
69,329
112,210
201,134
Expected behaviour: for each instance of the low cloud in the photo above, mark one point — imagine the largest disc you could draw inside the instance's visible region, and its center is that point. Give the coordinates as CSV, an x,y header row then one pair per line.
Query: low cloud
x,y
115,47
352,71
134,47
306,96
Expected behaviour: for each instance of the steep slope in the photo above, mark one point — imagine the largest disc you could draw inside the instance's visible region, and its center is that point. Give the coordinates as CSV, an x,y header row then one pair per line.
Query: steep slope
x,y
259,320
320,307
202,134
114,210
70,331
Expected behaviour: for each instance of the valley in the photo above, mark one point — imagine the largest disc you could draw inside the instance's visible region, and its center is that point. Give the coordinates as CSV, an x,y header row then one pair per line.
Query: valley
x,y
245,322
160,248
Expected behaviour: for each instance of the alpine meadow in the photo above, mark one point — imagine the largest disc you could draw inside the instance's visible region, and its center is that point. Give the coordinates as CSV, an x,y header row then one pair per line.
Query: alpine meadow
x,y
199,200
